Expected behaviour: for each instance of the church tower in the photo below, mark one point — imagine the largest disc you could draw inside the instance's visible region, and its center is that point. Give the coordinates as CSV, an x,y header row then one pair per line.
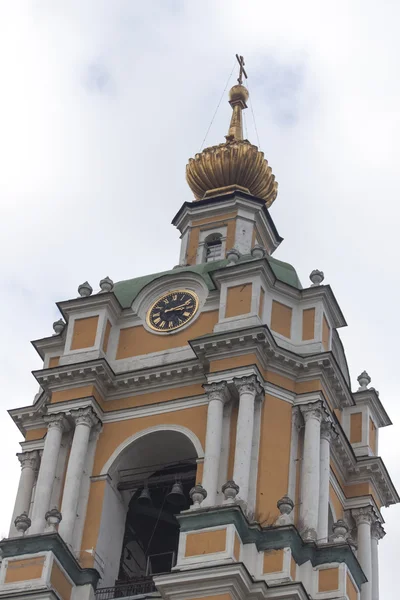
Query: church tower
x,y
196,435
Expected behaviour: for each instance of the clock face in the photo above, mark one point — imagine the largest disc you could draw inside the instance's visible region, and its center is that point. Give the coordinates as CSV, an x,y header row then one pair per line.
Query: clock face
x,y
173,310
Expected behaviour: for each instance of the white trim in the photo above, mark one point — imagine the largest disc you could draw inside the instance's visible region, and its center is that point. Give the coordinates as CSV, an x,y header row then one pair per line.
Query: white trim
x,y
152,409
136,436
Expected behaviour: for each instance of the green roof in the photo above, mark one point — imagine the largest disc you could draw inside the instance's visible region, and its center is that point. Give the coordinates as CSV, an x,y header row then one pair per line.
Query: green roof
x,y
126,291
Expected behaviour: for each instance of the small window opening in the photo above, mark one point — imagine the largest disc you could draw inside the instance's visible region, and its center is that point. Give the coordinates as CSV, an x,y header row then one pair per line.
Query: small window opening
x,y
213,246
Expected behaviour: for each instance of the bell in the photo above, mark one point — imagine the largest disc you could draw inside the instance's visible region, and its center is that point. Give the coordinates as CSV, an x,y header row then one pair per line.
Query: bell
x,y
176,495
145,498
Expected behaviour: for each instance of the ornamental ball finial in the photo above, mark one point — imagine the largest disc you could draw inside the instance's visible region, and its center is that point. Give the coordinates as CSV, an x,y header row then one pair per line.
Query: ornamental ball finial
x,y
197,494
258,251
316,277
106,284
364,380
238,93
53,518
230,490
58,327
22,523
85,289
233,255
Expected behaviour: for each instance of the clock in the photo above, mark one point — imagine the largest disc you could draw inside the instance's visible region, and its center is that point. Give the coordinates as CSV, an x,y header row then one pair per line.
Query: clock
x,y
172,311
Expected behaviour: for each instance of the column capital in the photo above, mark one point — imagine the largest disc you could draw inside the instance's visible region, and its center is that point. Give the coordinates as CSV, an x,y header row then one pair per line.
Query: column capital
x,y
248,384
377,531
364,515
312,411
85,416
327,431
297,421
56,421
28,459
217,391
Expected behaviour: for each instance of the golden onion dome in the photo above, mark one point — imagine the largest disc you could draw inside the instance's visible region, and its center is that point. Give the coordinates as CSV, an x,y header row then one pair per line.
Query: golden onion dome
x,y
235,164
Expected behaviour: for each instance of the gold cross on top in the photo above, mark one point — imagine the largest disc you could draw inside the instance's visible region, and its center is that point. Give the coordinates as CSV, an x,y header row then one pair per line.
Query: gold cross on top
x,y
242,72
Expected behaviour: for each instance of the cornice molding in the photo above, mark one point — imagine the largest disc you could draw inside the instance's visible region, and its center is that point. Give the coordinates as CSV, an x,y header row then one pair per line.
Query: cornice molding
x,y
113,385
259,339
93,302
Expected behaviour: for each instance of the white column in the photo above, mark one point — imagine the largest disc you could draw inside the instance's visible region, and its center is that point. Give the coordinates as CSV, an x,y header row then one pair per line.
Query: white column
x,y
29,462
309,505
377,533
84,419
47,471
324,476
217,395
248,388
364,518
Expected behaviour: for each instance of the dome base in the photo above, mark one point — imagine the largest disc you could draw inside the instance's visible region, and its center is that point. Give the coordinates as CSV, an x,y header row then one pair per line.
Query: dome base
x,y
226,189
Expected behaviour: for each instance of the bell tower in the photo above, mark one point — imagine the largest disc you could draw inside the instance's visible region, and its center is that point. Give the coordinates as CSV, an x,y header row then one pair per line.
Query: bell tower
x,y
196,435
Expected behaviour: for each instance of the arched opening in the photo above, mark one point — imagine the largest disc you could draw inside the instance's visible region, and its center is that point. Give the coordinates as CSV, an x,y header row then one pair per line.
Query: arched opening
x,y
213,247
151,530
139,531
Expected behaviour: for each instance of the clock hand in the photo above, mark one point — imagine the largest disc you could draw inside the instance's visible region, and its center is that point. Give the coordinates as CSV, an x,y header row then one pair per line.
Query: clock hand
x,y
180,307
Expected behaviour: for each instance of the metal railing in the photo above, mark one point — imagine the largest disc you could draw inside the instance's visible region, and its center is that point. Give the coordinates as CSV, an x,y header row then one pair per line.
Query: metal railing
x,y
144,585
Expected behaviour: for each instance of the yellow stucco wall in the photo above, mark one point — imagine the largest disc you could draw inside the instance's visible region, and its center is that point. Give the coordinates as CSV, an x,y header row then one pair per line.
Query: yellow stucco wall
x,y
84,334
273,561
136,341
308,324
24,569
205,542
274,456
328,579
60,582
351,589
238,300
355,428
281,318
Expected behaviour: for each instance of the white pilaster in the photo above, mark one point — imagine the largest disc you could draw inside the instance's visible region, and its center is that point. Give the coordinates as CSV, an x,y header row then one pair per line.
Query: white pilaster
x,y
217,395
310,472
377,533
248,388
29,462
364,517
84,419
47,471
324,474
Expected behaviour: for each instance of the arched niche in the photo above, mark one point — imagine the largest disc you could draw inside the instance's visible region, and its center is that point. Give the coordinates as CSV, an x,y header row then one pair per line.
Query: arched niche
x,y
129,532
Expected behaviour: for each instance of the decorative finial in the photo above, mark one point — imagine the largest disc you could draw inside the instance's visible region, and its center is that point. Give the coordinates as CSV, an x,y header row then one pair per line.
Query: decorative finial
x,y
316,277
285,506
238,96
236,165
106,284
85,289
197,494
22,523
340,531
230,490
53,518
258,251
58,326
232,255
364,380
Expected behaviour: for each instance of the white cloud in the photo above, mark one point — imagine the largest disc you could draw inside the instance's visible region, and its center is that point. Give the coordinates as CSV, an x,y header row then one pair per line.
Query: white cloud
x,y
103,102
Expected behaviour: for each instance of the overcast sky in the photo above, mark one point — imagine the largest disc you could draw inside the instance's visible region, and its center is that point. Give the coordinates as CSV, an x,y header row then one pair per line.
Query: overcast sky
x,y
102,103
